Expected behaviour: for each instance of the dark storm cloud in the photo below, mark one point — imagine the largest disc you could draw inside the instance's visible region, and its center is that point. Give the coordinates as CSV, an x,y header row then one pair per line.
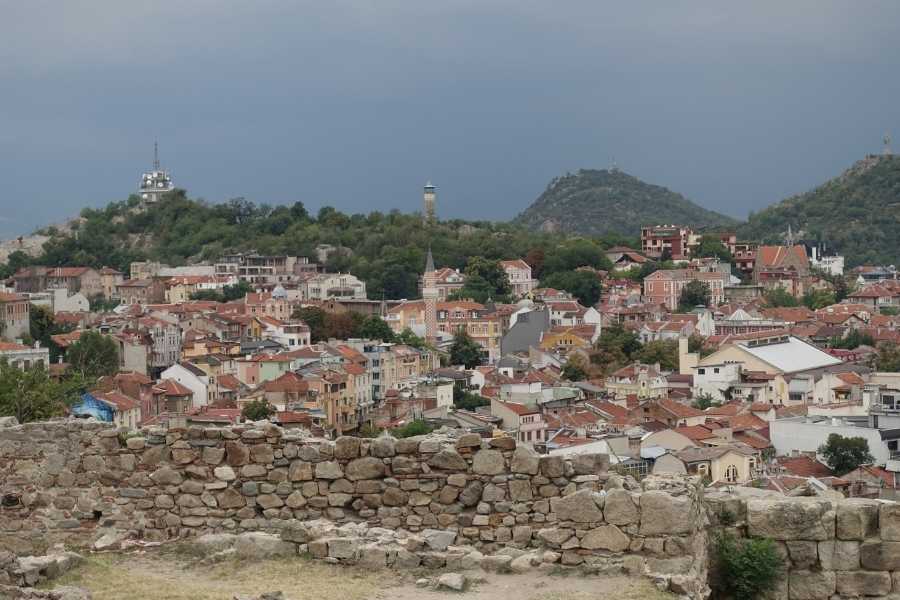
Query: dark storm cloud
x,y
356,104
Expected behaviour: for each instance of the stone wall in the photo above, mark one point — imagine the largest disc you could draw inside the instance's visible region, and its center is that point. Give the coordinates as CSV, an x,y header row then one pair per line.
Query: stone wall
x,y
439,500
73,481
844,548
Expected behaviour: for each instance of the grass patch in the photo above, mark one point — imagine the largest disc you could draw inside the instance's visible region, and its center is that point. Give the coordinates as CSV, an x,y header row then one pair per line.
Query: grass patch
x,y
150,576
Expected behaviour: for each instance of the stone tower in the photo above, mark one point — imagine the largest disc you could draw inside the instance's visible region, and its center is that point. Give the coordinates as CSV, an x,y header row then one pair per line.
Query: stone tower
x,y
430,296
429,200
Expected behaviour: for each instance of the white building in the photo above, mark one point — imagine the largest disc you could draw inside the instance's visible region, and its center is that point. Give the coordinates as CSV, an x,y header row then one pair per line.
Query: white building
x,y
24,357
193,379
339,286
519,273
806,434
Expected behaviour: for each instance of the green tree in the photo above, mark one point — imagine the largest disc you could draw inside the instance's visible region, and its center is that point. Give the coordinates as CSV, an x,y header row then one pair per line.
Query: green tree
x,y
412,429
466,400
843,454
236,291
375,328
93,355
778,297
574,369
745,569
30,394
664,352
615,348
484,279
409,338
571,254
712,247
815,299
704,401
315,318
42,328
888,358
695,293
257,410
465,351
583,285
854,339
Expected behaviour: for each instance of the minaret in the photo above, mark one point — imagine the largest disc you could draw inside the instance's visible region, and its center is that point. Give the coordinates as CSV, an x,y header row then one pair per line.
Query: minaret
x,y
429,199
430,296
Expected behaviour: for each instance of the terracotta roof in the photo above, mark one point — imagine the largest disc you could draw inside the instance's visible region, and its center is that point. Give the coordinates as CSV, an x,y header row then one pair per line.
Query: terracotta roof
x,y
287,382
774,256
12,347
746,421
118,400
7,297
229,382
170,387
519,409
696,433
679,409
804,466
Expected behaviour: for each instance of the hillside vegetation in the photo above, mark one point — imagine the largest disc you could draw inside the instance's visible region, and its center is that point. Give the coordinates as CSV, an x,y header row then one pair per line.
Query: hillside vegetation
x,y
387,250
599,202
857,213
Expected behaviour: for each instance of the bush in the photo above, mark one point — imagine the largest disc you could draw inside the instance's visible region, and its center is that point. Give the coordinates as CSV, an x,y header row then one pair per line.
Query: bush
x,y
411,429
745,569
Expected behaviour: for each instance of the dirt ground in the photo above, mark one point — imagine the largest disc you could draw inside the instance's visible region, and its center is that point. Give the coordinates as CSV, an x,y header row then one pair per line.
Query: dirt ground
x,y
153,576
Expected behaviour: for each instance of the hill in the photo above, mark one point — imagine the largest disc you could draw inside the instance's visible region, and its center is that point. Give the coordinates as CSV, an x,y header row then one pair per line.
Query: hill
x,y
599,202
387,250
857,213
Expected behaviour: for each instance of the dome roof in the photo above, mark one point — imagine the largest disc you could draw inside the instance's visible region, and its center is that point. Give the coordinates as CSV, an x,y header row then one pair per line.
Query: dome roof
x,y
279,292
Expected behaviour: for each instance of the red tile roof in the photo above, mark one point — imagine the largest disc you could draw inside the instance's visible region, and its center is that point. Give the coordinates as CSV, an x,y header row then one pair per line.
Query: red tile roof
x,y
170,387
804,466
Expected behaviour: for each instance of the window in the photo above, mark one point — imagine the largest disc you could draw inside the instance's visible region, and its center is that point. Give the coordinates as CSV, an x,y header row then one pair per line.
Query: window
x,y
731,474
701,371
716,370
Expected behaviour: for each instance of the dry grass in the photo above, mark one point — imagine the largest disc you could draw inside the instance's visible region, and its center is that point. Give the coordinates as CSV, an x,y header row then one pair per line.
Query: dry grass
x,y
152,577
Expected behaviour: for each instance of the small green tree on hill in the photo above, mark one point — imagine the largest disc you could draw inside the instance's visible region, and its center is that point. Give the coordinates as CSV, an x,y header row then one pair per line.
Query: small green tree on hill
x,y
778,297
257,410
843,454
465,351
93,355
695,293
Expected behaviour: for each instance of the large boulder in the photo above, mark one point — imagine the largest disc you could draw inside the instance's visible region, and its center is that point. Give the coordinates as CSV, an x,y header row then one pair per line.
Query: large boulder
x,y
364,468
581,507
256,545
789,518
488,462
663,513
525,460
620,507
857,518
448,460
605,537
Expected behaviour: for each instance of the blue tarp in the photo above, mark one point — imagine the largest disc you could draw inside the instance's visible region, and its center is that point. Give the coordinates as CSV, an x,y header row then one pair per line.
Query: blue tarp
x,y
89,406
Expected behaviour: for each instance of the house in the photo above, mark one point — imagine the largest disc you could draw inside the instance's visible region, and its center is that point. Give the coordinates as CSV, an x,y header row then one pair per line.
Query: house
x,y
193,378
785,267
110,407
527,331
523,420
731,463
289,334
519,274
446,281
15,314
624,258
643,381
141,291
24,357
74,279
667,241
668,412
665,286
479,322
792,364
175,398
109,281
325,286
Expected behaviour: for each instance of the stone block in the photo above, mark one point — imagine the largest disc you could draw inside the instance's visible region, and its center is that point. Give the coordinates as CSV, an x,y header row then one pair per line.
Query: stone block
x,y
863,583
552,467
448,460
889,522
811,585
346,447
839,555
525,460
804,555
605,537
329,470
363,468
620,507
383,447
798,518
590,464
236,453
662,513
488,462
520,489
857,518
880,556
581,507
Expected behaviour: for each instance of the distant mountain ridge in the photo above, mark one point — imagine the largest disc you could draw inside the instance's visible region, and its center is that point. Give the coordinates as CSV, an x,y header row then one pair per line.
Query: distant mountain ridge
x,y
857,213
599,202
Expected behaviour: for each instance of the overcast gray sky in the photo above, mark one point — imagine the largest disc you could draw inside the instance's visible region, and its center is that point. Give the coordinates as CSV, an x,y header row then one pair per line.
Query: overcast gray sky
x,y
357,103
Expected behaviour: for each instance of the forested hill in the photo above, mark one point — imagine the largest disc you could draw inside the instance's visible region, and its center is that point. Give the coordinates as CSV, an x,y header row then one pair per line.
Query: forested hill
x,y
597,202
858,213
387,250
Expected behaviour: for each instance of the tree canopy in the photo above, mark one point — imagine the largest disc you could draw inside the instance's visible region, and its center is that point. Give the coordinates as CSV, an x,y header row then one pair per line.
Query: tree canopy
x,y
465,351
583,285
695,293
93,355
843,454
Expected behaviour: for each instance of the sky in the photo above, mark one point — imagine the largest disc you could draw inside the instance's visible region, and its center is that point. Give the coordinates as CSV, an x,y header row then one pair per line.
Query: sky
x,y
356,104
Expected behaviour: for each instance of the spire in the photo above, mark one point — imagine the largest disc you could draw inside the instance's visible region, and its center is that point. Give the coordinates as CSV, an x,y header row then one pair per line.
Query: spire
x,y
790,236
429,262
155,155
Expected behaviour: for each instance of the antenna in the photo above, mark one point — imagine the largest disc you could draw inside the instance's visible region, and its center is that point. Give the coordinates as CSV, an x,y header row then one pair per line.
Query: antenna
x,y
614,167
155,155
887,144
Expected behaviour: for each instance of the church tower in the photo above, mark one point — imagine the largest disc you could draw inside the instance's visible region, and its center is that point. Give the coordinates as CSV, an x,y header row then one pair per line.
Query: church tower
x,y
429,200
430,296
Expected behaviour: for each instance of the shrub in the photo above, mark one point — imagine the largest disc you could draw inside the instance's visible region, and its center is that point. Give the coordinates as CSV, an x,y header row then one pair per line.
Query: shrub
x,y
413,428
746,569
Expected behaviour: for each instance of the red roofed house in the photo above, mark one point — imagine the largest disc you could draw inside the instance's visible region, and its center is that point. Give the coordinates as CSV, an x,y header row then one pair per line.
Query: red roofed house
x,y
665,286
673,414
782,266
524,421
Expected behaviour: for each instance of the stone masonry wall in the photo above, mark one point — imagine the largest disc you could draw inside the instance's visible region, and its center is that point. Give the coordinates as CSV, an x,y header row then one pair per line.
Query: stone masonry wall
x,y
841,548
70,481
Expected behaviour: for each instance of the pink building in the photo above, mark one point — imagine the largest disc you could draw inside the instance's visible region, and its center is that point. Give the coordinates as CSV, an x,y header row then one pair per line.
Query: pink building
x,y
664,287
